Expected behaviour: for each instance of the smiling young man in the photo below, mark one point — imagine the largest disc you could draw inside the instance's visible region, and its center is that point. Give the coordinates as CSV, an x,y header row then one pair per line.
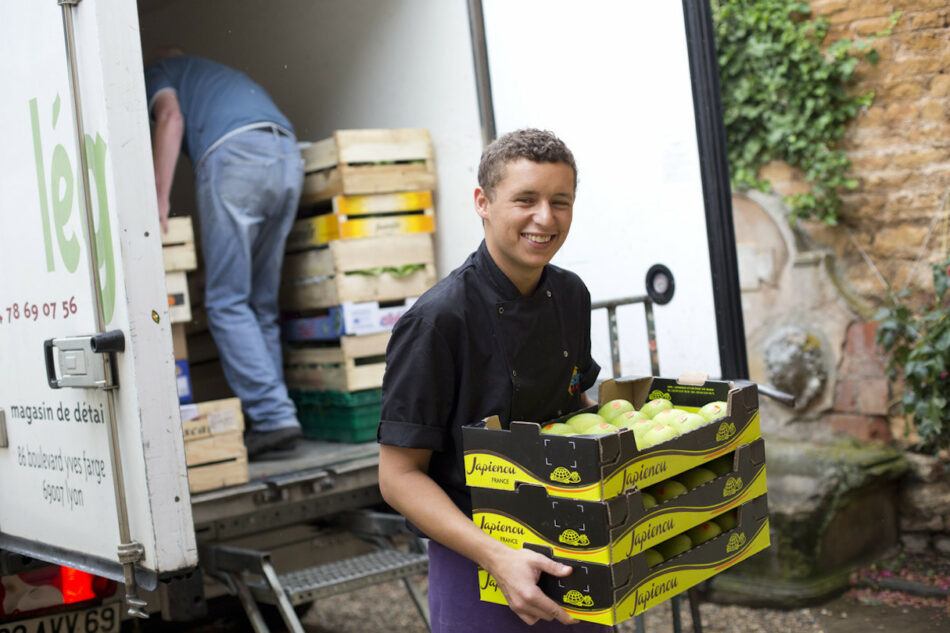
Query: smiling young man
x,y
504,334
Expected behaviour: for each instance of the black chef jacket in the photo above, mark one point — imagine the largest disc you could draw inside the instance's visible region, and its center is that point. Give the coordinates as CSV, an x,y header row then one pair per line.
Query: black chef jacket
x,y
473,346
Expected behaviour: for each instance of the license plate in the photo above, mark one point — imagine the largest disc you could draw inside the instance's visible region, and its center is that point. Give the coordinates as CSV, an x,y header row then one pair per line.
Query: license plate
x,y
102,619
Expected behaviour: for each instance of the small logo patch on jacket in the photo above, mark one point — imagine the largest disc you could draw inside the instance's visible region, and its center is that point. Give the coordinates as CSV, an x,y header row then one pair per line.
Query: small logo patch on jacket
x,y
575,382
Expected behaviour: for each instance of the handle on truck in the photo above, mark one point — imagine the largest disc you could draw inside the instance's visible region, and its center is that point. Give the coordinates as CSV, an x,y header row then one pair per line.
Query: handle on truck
x,y
50,367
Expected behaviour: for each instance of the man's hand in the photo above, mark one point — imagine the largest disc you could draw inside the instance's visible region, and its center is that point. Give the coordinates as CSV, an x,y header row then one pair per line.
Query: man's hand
x,y
517,573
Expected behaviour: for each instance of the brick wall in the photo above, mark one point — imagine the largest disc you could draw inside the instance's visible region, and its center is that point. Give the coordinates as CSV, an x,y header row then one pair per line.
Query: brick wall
x,y
900,145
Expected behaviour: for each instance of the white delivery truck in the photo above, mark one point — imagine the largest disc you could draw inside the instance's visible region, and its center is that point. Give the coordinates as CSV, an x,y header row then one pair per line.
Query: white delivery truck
x,y
96,520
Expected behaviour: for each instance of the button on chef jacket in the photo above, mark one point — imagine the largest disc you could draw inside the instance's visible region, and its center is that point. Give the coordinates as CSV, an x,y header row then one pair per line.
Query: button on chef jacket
x,y
473,346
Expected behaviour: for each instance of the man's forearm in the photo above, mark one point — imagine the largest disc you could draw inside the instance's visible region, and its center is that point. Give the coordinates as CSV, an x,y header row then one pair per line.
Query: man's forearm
x,y
417,497
165,150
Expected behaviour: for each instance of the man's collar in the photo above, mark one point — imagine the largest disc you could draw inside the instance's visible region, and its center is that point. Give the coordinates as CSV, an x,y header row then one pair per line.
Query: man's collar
x,y
498,279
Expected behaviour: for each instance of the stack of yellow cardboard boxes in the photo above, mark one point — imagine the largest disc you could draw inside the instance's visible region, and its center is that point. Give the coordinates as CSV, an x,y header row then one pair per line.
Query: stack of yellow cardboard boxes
x,y
583,500
355,263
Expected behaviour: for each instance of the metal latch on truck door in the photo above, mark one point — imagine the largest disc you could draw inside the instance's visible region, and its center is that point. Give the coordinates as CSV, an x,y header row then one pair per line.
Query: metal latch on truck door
x,y
80,363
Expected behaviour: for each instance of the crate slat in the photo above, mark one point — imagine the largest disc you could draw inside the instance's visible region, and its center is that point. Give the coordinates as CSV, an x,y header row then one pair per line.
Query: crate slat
x,y
342,164
180,231
180,257
178,245
335,368
214,476
215,448
213,417
316,278
357,289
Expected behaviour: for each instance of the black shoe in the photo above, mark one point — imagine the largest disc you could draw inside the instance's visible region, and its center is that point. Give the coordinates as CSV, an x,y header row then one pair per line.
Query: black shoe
x,y
261,442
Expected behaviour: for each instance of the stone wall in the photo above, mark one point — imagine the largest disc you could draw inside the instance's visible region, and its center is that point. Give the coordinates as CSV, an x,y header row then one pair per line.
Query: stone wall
x,y
925,505
900,146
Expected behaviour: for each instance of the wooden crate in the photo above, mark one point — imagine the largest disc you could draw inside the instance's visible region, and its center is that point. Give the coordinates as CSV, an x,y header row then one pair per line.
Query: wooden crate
x,y
368,161
356,364
179,303
214,444
178,245
318,278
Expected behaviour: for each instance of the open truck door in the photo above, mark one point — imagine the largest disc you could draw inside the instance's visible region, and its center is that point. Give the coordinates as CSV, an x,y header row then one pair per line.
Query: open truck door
x,y
634,91
92,466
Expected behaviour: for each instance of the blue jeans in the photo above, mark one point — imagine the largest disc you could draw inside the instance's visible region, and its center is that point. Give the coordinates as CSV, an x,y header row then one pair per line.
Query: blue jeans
x,y
247,190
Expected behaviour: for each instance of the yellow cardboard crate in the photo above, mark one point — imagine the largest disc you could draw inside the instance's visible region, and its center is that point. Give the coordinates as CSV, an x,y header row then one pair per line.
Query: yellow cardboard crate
x,y
322,229
399,202
368,161
332,275
598,467
214,444
610,594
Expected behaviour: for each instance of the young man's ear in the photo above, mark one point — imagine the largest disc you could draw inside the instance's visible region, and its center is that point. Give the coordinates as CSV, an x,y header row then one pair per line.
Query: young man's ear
x,y
481,203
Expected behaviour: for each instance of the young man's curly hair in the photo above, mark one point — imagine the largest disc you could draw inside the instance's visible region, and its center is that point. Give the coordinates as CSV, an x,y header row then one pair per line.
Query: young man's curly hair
x,y
538,146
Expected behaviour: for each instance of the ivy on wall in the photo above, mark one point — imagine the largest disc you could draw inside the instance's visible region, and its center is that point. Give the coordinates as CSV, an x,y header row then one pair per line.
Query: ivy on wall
x,y
784,97
918,343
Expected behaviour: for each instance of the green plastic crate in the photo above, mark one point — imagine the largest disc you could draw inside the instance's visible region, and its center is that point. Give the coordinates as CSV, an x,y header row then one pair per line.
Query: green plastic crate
x,y
338,416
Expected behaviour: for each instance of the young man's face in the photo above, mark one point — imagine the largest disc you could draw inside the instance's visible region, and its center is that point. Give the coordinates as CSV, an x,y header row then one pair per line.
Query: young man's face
x,y
528,218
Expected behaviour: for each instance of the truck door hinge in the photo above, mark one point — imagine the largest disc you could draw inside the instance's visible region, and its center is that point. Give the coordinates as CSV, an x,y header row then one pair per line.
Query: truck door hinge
x,y
85,362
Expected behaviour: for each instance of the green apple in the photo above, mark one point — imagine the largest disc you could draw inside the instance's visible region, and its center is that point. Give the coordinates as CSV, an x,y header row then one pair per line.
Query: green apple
x,y
713,410
727,520
659,433
669,416
695,477
627,418
704,531
720,465
600,429
614,408
639,427
689,421
557,428
653,407
653,557
581,421
649,500
675,546
666,490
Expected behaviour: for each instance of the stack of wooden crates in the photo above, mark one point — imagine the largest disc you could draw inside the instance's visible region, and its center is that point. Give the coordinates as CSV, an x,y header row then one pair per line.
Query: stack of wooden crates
x,y
356,260
213,430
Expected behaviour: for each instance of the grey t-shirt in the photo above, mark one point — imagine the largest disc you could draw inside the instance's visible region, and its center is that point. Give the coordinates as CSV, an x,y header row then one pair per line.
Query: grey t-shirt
x,y
215,100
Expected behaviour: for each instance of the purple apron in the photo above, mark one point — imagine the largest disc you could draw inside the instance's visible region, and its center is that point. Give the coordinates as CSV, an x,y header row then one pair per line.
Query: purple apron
x,y
455,606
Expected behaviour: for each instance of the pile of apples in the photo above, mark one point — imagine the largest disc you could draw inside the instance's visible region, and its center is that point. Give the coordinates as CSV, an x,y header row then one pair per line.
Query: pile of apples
x,y
674,487
691,538
656,421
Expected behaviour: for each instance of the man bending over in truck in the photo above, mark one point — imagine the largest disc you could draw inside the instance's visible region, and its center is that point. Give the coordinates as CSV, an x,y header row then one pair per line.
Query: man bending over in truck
x,y
248,177
504,334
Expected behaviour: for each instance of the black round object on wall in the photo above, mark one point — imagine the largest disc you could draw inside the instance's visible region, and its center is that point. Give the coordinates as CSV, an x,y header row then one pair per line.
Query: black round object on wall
x,y
660,284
